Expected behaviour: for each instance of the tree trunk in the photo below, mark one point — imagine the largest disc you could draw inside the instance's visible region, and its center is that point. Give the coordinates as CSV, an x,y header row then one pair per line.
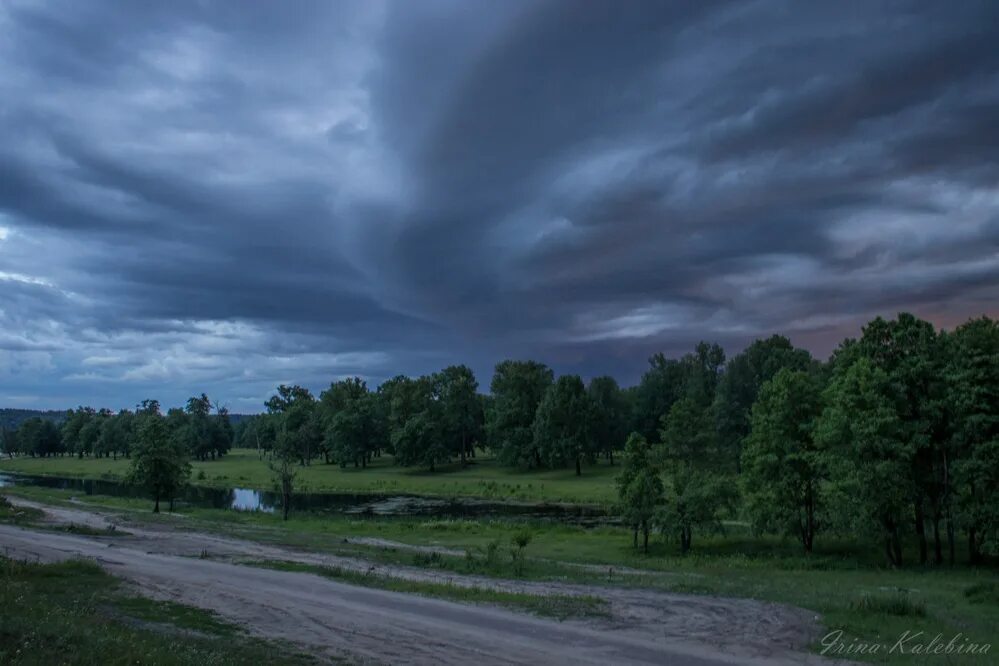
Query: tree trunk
x,y
974,557
921,531
156,506
635,536
950,542
937,545
463,446
645,537
809,533
610,456
537,458
171,503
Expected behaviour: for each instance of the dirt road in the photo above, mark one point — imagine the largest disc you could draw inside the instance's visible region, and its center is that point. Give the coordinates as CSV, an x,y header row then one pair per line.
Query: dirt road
x,y
376,626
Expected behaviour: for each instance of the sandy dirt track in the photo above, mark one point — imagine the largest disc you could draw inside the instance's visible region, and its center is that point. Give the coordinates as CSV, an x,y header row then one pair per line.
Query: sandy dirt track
x,y
376,626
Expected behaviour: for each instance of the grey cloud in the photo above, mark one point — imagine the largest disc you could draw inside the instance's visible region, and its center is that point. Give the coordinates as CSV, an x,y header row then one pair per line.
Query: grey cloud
x,y
205,196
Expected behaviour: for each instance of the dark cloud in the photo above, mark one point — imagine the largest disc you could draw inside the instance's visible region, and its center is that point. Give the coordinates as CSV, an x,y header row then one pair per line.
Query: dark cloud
x,y
209,196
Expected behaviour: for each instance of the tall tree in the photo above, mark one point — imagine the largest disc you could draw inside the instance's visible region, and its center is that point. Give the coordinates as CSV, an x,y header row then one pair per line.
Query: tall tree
x,y
517,388
563,430
640,488
861,421
160,462
348,412
909,351
740,384
971,463
462,408
783,466
419,432
299,428
610,416
698,487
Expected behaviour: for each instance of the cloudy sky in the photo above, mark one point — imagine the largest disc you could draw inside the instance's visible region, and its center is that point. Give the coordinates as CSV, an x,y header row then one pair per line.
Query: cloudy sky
x,y
222,196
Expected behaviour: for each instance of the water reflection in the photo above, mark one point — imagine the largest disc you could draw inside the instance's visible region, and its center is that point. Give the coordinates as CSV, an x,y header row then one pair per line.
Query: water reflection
x,y
246,499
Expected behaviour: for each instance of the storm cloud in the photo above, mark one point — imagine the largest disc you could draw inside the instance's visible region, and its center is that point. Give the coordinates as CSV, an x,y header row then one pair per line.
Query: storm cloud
x,y
223,196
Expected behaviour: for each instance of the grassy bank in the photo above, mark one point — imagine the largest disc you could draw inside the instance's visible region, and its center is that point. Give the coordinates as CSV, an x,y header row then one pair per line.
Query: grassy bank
x,y
74,613
843,581
484,478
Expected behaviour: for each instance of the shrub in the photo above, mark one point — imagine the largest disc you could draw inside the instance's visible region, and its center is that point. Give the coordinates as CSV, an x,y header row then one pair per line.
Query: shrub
x,y
899,604
983,593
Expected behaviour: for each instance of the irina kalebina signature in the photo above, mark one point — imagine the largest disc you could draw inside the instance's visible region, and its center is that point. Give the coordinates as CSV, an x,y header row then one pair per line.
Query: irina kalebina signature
x,y
908,642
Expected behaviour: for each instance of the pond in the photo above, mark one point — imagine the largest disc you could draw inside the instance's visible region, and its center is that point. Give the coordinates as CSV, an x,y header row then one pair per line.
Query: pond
x,y
360,504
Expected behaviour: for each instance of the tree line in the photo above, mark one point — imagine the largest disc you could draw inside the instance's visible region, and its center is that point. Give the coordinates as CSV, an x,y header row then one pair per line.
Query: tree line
x,y
896,437
201,428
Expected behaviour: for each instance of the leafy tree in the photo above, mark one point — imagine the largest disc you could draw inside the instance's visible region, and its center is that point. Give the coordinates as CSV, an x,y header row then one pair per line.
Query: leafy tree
x,y
462,409
517,388
159,463
71,427
39,437
419,436
697,487
299,429
117,433
740,384
971,463
640,488
349,414
669,380
783,466
610,415
861,421
909,351
563,430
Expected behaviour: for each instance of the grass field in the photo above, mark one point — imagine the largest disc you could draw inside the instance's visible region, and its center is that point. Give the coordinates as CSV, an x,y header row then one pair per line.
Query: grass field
x,y
73,613
485,478
843,581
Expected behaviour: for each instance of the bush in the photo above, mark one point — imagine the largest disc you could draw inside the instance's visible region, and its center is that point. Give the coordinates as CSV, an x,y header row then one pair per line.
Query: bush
x,y
899,604
983,593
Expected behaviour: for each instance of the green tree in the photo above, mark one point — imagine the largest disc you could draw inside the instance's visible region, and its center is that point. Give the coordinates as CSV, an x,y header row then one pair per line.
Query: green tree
x,y
910,353
783,467
971,462
349,415
563,430
740,384
517,388
419,435
299,427
861,422
160,463
698,489
610,415
75,420
640,488
462,409
668,380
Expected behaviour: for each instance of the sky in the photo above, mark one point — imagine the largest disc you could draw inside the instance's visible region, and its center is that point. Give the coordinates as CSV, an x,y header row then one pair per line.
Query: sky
x,y
225,196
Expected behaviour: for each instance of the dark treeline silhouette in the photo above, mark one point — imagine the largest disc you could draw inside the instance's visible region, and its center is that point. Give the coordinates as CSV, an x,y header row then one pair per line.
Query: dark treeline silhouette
x,y
201,428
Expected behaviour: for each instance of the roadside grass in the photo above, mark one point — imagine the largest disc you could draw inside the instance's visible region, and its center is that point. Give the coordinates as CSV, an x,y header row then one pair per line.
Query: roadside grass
x,y
832,582
559,606
484,478
74,613
17,515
